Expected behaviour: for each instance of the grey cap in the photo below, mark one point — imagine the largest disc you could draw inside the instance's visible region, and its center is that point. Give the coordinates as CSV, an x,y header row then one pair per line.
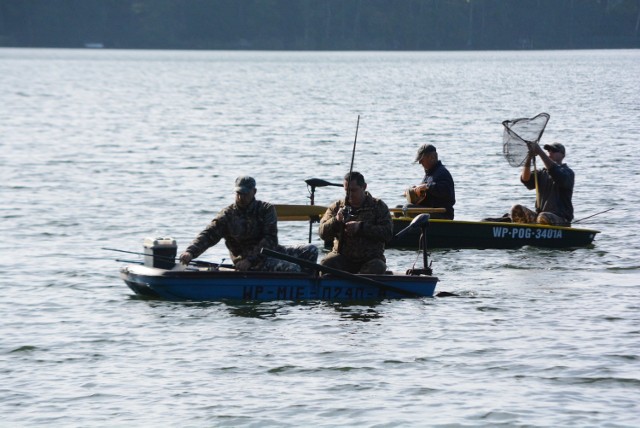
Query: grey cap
x,y
245,184
423,150
555,147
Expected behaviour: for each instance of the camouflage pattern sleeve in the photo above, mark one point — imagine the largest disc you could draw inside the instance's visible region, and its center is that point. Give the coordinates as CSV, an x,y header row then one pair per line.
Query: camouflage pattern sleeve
x,y
210,236
329,227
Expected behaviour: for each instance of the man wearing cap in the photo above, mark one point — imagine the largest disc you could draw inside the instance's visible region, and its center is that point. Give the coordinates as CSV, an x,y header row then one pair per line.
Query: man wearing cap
x,y
359,226
247,226
555,188
437,189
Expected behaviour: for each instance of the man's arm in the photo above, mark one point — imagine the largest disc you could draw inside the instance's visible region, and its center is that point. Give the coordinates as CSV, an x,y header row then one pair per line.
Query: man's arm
x,y
209,237
526,168
330,224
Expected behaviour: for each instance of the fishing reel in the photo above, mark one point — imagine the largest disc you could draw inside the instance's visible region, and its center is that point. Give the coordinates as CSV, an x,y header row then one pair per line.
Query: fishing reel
x,y
348,213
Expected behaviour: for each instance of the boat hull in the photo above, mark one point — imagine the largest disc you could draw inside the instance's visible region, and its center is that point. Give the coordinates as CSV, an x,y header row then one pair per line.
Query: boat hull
x,y
204,285
484,235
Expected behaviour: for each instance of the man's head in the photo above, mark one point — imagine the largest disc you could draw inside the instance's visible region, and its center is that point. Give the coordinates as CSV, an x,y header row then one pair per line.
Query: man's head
x,y
355,186
245,190
556,151
427,156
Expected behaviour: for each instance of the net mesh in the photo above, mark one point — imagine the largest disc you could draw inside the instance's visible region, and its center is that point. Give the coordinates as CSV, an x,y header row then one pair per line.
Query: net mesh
x,y
519,134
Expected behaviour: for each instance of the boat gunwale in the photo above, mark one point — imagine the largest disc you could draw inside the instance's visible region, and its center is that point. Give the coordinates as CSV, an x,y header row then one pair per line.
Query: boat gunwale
x,y
503,223
202,274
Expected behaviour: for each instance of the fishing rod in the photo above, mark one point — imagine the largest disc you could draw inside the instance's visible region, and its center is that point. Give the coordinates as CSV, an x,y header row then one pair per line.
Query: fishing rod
x,y
601,212
173,259
347,208
347,211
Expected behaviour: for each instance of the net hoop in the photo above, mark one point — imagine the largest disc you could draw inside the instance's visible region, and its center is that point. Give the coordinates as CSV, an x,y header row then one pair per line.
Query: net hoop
x,y
519,135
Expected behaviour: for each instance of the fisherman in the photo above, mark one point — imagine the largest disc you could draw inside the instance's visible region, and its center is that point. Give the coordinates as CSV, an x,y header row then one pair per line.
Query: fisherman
x,y
437,189
555,188
359,226
247,226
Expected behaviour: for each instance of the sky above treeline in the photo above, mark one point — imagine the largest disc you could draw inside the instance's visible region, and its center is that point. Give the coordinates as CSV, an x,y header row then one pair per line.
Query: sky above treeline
x,y
322,24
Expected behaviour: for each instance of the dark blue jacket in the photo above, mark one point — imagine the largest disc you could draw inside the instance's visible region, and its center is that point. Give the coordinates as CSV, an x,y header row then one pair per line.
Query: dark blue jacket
x,y
556,190
441,192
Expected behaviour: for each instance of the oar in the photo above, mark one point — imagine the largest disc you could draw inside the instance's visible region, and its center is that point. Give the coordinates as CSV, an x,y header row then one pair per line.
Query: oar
x,y
418,210
337,272
304,212
298,212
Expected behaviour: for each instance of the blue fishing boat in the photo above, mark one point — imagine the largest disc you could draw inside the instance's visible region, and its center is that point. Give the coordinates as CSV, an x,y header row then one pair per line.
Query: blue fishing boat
x,y
159,277
203,284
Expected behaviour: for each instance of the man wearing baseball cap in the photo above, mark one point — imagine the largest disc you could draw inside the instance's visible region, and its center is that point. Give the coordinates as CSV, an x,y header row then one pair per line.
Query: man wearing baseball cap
x,y
437,189
247,226
555,188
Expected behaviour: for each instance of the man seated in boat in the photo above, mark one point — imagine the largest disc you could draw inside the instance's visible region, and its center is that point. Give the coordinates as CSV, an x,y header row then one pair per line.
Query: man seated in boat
x,y
359,226
555,188
437,189
247,226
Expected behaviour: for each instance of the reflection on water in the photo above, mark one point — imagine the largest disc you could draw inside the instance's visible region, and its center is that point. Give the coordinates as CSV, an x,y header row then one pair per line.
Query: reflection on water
x,y
357,313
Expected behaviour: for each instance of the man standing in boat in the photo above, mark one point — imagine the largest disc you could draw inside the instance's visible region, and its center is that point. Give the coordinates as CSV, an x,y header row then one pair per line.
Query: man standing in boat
x,y
437,189
247,226
555,188
359,226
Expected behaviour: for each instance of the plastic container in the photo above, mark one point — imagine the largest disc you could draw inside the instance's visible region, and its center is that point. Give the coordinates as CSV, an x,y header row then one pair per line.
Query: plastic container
x,y
160,252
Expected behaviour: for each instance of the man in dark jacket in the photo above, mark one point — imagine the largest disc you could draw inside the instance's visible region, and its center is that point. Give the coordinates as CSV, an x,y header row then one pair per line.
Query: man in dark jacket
x,y
437,189
247,226
555,188
359,226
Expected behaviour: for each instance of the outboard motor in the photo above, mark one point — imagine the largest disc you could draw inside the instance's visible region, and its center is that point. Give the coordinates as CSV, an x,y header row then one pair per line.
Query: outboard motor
x,y
160,252
422,222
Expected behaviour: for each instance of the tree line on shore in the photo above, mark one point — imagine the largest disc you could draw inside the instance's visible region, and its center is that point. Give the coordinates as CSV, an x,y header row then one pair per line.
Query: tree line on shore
x,y
321,24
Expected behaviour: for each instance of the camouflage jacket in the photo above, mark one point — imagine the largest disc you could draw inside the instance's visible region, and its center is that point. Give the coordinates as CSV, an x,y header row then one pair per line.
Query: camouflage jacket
x,y
245,231
369,242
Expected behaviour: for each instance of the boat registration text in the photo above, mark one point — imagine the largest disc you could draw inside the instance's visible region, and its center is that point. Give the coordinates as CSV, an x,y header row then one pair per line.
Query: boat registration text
x,y
300,292
526,233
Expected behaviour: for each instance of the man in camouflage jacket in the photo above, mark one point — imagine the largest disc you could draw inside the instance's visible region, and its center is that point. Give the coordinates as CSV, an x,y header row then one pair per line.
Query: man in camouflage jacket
x,y
247,226
359,237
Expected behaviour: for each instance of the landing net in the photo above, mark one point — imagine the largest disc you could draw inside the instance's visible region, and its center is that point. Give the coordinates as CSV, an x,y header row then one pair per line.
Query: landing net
x,y
518,136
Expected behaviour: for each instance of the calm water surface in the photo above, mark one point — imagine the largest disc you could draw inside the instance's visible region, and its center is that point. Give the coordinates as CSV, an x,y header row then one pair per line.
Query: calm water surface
x,y
104,148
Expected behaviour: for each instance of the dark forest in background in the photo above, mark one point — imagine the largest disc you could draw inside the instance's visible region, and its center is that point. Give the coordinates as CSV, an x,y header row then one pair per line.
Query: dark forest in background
x,y
322,24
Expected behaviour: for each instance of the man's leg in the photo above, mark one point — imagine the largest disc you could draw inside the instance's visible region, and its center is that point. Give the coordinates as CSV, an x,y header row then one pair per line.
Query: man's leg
x,y
374,266
307,252
335,260
522,214
551,219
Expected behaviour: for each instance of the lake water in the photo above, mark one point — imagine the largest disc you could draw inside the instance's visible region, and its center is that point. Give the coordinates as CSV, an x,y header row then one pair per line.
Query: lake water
x,y
102,148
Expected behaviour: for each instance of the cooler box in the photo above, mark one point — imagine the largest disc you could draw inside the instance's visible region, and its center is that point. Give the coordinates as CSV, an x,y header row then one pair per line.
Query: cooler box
x,y
160,252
